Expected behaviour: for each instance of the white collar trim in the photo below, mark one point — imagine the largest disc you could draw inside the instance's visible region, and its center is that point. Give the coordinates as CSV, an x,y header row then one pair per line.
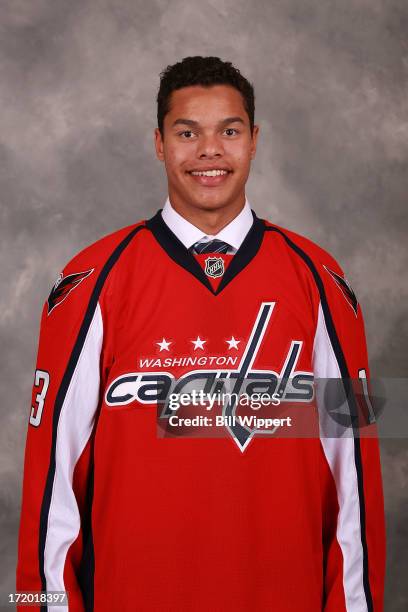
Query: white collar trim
x,y
233,233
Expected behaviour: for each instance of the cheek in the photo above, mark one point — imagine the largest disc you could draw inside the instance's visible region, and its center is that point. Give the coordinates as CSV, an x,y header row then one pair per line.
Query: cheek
x,y
239,153
177,155
241,161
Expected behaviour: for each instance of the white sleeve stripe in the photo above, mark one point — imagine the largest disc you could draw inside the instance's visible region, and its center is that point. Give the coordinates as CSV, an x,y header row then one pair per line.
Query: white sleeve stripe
x,y
340,455
75,426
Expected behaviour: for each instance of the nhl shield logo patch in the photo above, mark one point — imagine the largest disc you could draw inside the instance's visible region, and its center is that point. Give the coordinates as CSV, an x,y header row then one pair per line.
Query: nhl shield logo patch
x,y
214,266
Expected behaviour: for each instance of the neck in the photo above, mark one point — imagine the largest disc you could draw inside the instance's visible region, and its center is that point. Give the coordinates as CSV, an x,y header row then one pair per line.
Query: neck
x,y
210,221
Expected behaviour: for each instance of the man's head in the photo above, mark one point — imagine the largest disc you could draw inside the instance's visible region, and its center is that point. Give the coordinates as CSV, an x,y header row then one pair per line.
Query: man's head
x,y
205,114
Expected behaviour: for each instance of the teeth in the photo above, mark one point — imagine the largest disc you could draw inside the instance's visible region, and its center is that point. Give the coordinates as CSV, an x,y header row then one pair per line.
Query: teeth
x,y
210,173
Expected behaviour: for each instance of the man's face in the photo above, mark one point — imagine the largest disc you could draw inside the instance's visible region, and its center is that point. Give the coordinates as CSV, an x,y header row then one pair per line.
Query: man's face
x,y
206,129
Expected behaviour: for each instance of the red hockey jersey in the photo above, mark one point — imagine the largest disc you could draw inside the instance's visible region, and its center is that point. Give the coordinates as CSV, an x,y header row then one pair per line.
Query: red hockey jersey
x,y
125,513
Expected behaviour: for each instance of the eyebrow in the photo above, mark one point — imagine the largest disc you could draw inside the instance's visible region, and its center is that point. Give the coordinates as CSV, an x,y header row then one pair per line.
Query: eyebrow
x,y
193,123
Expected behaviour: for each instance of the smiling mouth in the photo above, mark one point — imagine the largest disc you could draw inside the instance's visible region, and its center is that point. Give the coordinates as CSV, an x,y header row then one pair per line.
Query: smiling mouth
x,y
210,178
214,172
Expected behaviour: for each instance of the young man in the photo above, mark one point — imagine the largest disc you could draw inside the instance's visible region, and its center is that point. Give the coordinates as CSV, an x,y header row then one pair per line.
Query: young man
x,y
126,506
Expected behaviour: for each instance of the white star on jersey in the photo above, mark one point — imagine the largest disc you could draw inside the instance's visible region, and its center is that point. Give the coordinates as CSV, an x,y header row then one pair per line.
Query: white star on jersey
x,y
233,343
164,345
198,343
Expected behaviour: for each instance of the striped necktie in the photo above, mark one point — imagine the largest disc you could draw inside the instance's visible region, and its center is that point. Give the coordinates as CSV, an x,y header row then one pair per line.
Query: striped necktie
x,y
211,246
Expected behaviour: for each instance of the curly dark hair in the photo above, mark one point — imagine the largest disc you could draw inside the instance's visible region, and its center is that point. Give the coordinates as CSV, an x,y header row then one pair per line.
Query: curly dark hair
x,y
204,71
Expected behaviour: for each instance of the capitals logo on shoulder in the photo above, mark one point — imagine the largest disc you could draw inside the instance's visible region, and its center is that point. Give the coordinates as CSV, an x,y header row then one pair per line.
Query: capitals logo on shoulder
x,y
345,288
214,266
63,287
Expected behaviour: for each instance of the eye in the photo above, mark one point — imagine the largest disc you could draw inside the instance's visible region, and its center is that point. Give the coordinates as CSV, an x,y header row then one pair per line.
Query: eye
x,y
231,130
186,132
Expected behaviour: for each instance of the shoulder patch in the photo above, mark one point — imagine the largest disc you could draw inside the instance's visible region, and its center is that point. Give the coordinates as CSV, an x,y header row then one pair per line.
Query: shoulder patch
x,y
63,287
345,288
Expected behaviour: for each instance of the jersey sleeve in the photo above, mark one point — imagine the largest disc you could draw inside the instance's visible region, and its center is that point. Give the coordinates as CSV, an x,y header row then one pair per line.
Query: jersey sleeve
x,y
353,506
58,451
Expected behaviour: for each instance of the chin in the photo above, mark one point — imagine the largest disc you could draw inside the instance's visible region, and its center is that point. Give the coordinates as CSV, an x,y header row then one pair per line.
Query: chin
x,y
210,203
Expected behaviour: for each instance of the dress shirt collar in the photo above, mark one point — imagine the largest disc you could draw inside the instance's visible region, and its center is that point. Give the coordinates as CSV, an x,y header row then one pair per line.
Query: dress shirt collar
x,y
233,233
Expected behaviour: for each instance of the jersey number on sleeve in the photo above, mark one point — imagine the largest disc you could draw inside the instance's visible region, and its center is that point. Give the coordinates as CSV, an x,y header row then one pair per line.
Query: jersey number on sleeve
x,y
41,380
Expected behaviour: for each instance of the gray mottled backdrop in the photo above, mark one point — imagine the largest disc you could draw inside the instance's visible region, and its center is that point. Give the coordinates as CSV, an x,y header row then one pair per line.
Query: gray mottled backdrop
x,y
78,80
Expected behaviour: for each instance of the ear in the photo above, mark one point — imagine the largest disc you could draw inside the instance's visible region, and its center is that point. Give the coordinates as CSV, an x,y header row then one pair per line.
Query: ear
x,y
158,142
254,141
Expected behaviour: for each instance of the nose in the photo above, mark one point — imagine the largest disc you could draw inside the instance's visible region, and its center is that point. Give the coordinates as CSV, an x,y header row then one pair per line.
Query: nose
x,y
209,146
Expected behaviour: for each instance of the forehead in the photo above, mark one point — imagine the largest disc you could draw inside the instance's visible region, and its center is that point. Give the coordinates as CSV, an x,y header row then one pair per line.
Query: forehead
x,y
205,104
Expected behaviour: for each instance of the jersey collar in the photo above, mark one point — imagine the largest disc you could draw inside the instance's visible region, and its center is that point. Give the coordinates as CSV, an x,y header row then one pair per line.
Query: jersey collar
x,y
179,252
233,233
